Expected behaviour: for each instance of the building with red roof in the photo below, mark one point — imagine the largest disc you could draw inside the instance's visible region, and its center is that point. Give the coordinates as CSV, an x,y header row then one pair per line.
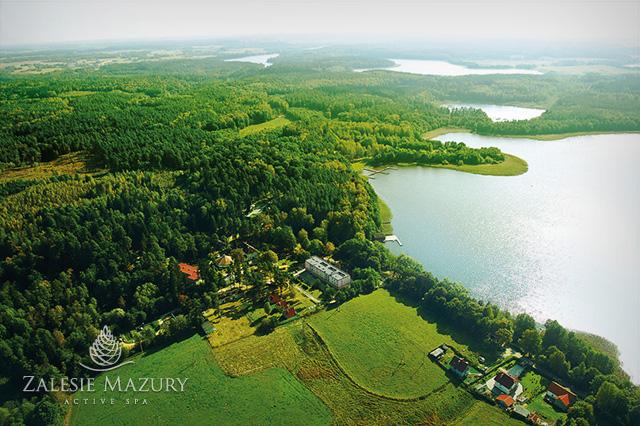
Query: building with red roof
x,y
505,383
560,396
191,271
505,401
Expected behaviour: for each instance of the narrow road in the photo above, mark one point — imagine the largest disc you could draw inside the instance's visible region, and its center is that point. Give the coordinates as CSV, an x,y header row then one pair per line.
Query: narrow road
x,y
306,293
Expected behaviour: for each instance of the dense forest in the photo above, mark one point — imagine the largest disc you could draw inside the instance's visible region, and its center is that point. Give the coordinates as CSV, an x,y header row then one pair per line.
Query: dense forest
x,y
176,159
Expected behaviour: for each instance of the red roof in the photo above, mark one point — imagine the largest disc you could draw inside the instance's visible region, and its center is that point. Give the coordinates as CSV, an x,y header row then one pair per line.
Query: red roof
x,y
564,399
290,312
506,400
459,364
506,380
191,271
561,392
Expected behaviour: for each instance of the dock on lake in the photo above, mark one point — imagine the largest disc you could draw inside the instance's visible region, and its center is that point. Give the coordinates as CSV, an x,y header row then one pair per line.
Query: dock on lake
x,y
373,172
388,238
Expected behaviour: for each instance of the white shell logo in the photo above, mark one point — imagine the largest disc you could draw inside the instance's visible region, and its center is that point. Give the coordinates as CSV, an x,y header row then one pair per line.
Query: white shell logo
x,y
105,352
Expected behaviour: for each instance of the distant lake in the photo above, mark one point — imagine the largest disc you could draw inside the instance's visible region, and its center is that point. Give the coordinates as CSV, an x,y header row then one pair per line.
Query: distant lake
x,y
561,241
502,112
256,59
428,67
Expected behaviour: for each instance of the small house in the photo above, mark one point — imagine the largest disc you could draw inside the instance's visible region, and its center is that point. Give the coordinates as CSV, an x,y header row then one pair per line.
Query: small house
x,y
459,367
520,412
505,383
191,271
559,396
505,401
225,261
437,353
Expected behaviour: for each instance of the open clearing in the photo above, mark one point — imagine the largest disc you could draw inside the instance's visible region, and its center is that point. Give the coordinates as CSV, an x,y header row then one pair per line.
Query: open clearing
x,y
67,164
383,345
271,396
276,123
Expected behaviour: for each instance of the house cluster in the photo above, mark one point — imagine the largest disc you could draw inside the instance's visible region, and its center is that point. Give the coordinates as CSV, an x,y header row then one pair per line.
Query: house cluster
x,y
508,389
327,272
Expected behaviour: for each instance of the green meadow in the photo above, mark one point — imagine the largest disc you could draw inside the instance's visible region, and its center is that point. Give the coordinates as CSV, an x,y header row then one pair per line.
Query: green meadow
x,y
383,345
271,396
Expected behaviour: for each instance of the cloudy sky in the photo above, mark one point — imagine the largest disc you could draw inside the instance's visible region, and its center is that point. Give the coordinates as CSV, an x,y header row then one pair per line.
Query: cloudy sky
x,y
45,21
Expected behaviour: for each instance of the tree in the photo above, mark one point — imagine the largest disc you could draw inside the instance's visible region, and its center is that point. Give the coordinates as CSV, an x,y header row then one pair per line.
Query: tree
x,y
582,410
46,413
611,403
556,361
504,336
530,341
282,237
522,323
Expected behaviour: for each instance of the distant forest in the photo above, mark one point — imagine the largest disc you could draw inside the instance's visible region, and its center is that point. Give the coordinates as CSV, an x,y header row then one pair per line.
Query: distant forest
x,y
173,167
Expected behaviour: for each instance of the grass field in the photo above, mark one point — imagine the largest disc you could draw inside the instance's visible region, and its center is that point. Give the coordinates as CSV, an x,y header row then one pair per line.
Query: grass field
x,y
383,345
483,414
511,166
540,406
271,396
296,348
276,123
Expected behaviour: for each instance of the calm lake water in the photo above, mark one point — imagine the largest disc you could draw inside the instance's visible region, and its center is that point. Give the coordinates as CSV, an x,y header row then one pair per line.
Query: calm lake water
x,y
256,59
502,112
427,67
561,241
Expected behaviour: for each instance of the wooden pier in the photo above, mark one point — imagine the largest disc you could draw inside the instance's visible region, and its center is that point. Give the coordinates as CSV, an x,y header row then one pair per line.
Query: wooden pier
x,y
375,172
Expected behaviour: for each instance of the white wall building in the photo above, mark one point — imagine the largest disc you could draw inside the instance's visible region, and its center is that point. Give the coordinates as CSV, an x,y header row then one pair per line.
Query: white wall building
x,y
327,272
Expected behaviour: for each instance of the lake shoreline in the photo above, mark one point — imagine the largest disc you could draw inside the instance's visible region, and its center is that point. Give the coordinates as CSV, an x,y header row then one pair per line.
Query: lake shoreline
x,y
596,334
511,166
431,134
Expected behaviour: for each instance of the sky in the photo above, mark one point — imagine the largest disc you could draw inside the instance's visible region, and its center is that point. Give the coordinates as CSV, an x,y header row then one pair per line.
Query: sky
x,y
53,21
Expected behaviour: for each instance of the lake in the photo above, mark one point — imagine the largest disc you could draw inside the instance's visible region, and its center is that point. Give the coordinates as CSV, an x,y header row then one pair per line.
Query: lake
x,y
502,112
428,67
561,241
256,59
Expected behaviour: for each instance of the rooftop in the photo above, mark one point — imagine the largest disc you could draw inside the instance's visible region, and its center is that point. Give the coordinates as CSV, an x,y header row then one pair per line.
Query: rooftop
x,y
505,379
191,271
326,267
459,364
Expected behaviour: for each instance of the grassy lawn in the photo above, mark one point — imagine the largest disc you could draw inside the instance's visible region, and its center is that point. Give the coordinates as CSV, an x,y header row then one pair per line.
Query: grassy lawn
x,y
486,415
385,216
511,166
546,410
268,397
267,125
231,324
533,384
383,345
